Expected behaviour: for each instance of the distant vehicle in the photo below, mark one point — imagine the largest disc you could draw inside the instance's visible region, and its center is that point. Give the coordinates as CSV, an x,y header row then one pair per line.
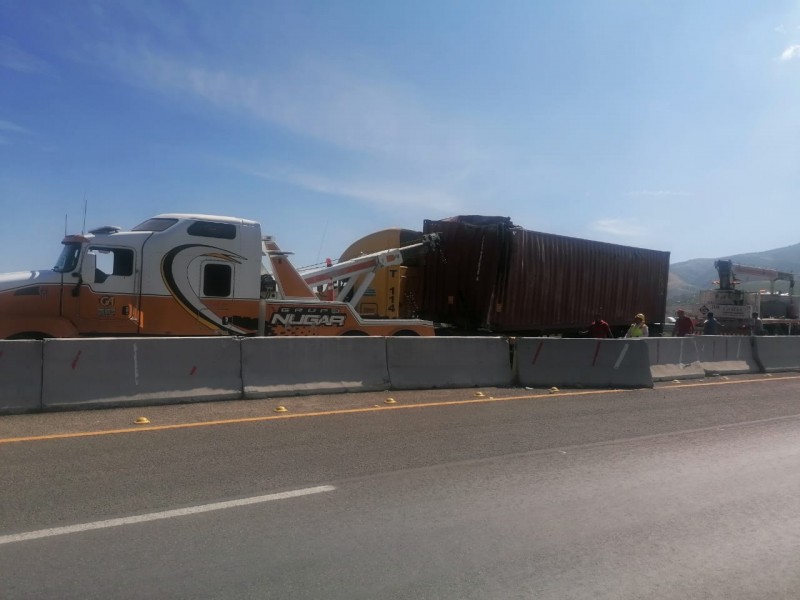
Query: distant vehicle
x,y
669,326
733,307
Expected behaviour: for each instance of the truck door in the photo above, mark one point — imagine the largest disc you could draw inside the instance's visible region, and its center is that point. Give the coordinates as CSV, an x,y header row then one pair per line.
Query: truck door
x,y
216,290
109,297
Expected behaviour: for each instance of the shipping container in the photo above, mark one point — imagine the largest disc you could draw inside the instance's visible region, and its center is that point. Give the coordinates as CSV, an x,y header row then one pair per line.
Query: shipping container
x,y
495,277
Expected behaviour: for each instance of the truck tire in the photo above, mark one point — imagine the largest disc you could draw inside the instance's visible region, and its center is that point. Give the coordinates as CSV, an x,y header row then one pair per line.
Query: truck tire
x,y
30,335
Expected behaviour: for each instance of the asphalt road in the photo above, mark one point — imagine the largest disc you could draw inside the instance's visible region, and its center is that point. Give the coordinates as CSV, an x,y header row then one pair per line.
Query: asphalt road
x,y
684,491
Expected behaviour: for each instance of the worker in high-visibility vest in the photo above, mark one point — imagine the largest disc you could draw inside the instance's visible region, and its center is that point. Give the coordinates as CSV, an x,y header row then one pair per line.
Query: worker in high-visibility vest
x,y
638,328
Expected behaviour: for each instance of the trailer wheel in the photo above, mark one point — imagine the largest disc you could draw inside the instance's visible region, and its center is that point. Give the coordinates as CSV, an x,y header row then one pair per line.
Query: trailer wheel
x,y
29,335
354,332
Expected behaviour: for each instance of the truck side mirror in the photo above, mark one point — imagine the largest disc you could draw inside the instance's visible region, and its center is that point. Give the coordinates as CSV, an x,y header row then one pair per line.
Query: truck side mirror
x,y
88,267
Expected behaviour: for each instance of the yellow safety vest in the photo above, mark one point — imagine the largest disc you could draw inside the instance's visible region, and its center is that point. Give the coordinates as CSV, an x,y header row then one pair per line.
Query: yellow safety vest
x,y
635,331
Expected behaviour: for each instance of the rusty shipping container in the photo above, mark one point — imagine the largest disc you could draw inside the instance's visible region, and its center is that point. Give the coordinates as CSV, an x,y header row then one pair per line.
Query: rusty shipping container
x,y
491,275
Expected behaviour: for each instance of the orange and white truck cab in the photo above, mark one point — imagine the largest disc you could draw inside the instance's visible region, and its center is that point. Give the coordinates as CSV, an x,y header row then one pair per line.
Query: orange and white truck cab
x,y
177,274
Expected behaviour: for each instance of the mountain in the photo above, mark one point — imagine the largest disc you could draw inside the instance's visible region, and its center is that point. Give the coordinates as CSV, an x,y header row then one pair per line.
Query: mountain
x,y
688,278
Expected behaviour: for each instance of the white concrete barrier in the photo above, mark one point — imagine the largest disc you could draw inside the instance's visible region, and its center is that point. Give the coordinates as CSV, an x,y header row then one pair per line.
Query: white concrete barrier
x,y
20,376
674,358
320,365
726,354
112,372
546,362
448,362
774,354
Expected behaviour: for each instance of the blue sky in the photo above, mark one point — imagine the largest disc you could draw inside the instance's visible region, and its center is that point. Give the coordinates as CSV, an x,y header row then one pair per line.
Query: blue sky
x,y
665,125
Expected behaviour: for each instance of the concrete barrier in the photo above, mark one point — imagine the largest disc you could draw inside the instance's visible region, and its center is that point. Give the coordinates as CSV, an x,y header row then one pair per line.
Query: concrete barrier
x,y
775,354
726,354
674,358
321,365
91,372
448,362
582,362
20,376
81,373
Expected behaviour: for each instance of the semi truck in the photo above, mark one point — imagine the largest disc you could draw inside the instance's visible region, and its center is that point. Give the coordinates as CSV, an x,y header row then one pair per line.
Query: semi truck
x,y
179,275
491,276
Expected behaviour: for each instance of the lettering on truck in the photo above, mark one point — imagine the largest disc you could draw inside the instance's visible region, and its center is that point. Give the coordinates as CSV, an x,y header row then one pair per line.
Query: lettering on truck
x,y
293,316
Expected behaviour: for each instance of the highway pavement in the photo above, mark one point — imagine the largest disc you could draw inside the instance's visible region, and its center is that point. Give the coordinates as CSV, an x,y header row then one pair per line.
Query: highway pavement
x,y
688,490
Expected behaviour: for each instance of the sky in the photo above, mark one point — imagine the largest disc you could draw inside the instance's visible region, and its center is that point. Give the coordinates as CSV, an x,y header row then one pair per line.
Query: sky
x,y
666,125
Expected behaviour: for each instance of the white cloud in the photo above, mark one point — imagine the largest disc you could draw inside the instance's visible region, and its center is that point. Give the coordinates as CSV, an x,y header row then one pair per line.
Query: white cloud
x,y
12,57
657,193
619,227
392,145
383,193
791,52
351,108
13,128
398,150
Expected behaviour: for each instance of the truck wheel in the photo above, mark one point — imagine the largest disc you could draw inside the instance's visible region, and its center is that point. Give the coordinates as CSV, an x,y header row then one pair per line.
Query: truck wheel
x,y
354,333
29,335
405,333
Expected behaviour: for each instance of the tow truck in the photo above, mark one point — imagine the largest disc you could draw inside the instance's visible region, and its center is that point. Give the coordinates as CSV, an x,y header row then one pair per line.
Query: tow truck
x,y
181,275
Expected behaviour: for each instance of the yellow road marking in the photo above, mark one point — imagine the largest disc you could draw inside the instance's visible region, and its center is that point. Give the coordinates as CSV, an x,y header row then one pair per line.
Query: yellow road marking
x,y
762,380
343,411
350,411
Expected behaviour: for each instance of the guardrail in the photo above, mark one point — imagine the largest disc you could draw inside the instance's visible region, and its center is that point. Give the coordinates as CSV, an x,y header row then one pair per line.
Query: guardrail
x,y
86,373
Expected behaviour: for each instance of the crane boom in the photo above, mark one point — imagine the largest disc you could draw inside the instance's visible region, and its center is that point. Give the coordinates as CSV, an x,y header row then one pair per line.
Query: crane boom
x,y
728,270
358,273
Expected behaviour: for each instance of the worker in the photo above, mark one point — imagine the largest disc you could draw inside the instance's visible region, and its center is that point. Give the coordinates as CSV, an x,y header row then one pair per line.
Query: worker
x,y
757,327
711,326
599,328
638,328
683,325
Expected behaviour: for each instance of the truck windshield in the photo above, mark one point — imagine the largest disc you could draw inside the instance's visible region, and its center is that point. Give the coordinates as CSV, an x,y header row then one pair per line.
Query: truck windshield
x,y
68,259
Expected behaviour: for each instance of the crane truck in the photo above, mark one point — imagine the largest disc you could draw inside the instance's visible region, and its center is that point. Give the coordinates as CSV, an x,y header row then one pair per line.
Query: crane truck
x,y
734,307
184,275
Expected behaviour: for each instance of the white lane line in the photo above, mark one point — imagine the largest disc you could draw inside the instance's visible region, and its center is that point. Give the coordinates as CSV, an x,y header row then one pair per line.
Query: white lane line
x,y
168,514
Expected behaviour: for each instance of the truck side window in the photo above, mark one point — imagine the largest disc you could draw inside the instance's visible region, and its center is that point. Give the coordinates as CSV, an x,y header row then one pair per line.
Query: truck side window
x,y
112,261
123,262
217,280
224,231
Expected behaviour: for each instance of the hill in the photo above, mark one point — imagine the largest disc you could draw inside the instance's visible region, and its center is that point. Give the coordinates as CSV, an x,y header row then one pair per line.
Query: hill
x,y
688,278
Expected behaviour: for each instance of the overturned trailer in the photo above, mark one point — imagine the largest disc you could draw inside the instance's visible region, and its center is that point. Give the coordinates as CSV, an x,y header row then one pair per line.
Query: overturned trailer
x,y
493,276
